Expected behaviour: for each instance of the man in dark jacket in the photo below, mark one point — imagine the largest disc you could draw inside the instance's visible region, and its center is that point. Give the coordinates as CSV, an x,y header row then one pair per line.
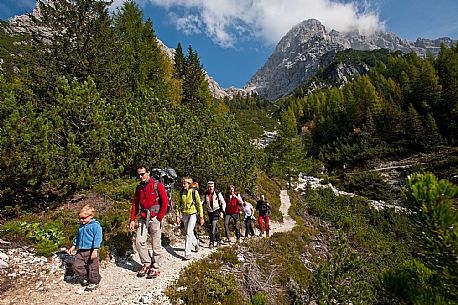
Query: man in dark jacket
x,y
263,207
150,200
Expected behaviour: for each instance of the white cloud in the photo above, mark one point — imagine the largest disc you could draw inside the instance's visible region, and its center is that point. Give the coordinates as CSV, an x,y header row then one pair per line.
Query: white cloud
x,y
188,24
226,21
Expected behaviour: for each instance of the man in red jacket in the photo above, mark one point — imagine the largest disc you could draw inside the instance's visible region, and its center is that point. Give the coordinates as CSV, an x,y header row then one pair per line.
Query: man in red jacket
x,y
150,200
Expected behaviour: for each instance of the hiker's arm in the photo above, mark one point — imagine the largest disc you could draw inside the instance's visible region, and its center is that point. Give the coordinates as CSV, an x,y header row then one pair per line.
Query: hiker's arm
x,y
164,201
178,208
135,208
97,242
200,209
222,202
239,199
73,247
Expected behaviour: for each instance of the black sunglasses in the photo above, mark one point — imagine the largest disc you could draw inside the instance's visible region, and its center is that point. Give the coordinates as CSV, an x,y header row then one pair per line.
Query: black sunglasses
x,y
141,174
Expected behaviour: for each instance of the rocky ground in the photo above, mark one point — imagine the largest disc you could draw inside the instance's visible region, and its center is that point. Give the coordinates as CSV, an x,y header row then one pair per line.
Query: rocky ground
x,y
28,279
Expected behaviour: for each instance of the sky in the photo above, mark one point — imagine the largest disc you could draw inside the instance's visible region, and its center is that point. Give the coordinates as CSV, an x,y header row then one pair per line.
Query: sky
x,y
235,38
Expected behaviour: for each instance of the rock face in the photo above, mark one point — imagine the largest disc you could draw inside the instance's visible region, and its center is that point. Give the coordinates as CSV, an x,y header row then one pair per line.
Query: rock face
x,y
300,53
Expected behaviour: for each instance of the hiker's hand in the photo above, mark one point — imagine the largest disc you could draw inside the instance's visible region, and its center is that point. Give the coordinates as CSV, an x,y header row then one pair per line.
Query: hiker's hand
x,y
221,215
132,226
71,250
201,221
94,253
178,220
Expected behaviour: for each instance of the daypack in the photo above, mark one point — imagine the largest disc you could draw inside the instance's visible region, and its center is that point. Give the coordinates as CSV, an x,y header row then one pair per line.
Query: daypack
x,y
263,208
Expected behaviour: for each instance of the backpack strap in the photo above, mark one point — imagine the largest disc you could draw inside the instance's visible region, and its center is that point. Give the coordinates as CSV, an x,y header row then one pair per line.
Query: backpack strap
x,y
194,191
148,211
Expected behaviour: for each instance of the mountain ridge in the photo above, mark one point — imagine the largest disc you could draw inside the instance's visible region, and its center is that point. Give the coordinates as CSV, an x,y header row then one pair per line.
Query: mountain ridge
x,y
297,56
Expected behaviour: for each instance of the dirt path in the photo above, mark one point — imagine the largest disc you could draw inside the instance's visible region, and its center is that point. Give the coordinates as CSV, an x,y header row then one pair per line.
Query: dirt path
x,y
288,222
120,284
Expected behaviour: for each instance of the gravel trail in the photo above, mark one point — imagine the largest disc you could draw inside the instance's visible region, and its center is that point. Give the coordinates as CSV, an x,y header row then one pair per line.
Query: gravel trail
x,y
29,280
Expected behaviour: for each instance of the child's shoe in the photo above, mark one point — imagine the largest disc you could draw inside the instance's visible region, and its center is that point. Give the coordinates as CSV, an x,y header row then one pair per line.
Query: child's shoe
x,y
91,287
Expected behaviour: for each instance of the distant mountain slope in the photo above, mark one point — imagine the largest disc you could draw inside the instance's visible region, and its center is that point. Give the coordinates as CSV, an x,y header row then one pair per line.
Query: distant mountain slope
x,y
299,55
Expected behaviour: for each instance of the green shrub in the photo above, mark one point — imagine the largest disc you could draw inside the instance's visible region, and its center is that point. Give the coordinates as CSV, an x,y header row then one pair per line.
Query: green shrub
x,y
46,237
45,248
259,299
384,239
339,280
369,184
413,283
203,282
435,218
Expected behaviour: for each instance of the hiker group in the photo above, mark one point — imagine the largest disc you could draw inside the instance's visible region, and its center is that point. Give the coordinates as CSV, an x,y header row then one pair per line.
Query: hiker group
x,y
151,202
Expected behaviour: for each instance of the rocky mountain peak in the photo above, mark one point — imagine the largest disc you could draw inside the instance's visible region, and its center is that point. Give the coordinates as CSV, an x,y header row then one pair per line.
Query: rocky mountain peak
x,y
308,46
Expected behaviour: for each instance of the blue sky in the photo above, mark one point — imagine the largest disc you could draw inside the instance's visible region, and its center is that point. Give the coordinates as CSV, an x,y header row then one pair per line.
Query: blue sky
x,y
235,38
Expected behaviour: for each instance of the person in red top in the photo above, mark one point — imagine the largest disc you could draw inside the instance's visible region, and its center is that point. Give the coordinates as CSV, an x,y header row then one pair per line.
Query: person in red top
x,y
151,201
233,202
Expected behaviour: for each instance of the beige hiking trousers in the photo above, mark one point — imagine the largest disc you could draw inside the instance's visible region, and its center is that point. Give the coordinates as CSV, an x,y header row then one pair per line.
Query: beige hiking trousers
x,y
149,255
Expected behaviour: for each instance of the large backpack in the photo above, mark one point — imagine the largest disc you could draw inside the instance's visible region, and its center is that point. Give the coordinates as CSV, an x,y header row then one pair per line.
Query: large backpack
x,y
167,177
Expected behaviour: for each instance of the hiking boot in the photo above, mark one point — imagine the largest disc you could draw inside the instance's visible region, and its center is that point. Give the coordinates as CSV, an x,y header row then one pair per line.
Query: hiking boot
x,y
187,257
196,248
237,241
211,245
143,271
91,287
152,274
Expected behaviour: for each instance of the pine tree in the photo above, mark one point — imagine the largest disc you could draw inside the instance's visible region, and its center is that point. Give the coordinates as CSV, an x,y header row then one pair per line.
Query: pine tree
x,y
446,112
195,87
82,43
143,61
179,62
286,153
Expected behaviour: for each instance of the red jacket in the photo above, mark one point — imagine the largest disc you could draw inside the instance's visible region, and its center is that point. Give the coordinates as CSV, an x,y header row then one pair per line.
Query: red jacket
x,y
145,197
232,206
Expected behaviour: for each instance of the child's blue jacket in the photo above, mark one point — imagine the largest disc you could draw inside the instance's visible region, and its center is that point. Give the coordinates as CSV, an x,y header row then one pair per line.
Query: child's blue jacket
x,y
89,236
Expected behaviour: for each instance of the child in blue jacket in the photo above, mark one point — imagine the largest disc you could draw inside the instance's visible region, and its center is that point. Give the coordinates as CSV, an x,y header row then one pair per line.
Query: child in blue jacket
x,y
87,241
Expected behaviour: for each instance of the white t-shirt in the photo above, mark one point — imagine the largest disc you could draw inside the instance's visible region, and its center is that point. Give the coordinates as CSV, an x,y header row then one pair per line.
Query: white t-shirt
x,y
247,209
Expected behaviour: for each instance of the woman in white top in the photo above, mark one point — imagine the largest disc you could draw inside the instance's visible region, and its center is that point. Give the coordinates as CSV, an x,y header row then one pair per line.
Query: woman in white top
x,y
248,210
